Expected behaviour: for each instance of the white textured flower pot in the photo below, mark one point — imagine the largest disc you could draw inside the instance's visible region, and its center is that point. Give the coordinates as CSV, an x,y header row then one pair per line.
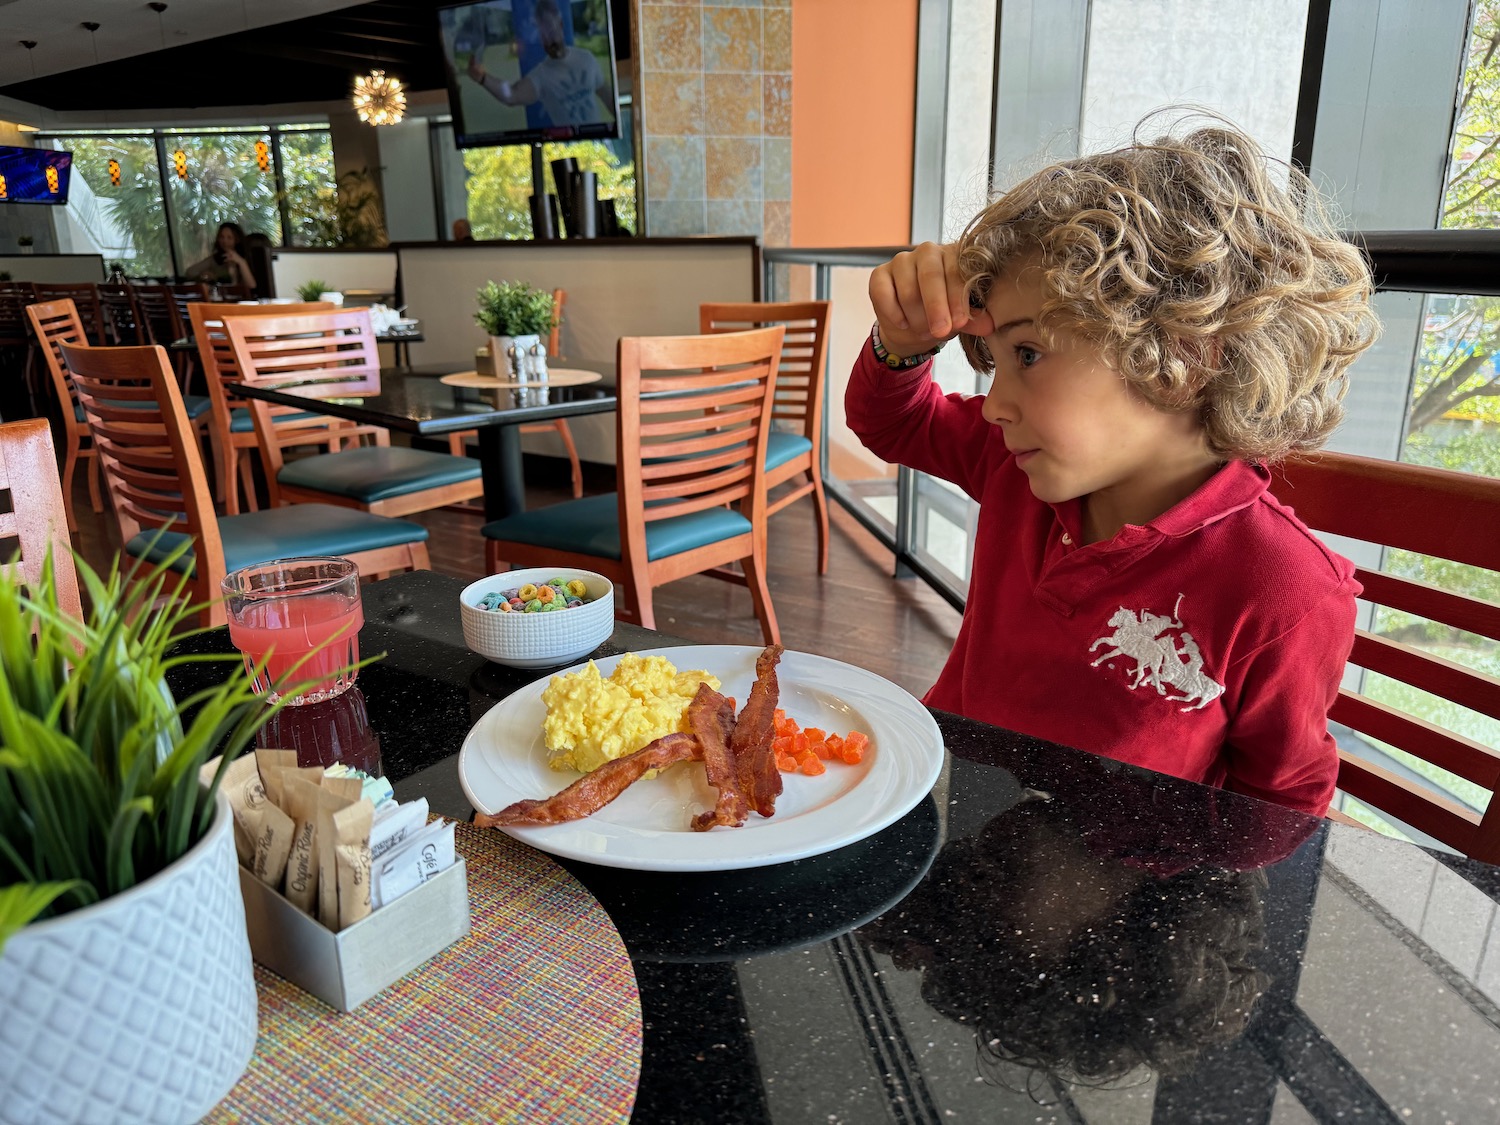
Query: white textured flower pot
x,y
138,1008
505,366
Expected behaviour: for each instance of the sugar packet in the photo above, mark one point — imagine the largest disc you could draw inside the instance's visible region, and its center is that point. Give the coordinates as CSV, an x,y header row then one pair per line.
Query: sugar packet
x,y
424,855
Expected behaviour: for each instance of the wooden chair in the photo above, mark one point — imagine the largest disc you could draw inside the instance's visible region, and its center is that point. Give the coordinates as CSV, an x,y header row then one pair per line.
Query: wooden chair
x,y
1449,515
85,298
15,338
122,318
795,447
56,323
154,471
691,429
36,516
334,354
232,430
458,441
163,322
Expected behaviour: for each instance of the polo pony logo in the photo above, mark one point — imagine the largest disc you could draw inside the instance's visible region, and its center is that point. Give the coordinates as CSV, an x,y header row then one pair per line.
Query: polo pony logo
x,y
1146,638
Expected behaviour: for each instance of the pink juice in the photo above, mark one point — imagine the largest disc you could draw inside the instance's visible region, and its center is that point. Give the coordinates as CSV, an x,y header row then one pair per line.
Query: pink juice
x,y
285,631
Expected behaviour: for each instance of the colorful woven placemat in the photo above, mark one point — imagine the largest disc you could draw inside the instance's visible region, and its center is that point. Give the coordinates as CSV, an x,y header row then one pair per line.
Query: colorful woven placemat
x,y
533,1017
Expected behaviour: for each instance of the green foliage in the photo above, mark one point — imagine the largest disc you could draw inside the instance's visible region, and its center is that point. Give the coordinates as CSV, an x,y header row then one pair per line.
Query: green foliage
x,y
312,290
353,215
513,308
99,764
499,184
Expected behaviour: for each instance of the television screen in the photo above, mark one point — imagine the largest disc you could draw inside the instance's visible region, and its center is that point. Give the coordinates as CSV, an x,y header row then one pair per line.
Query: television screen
x,y
521,71
34,175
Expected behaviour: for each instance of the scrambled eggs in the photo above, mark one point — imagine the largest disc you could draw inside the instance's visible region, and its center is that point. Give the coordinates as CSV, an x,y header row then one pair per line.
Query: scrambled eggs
x,y
592,720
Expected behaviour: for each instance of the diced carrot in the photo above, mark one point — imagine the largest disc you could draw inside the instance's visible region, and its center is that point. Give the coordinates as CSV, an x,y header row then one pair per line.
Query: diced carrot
x,y
854,747
785,763
781,745
811,766
814,734
799,744
835,744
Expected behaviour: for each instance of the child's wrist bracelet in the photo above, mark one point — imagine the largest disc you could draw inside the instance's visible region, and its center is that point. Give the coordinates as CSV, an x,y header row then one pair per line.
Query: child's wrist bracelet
x,y
896,362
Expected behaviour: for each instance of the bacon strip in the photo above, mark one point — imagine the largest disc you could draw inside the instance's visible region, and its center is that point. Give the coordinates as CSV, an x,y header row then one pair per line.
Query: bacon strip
x,y
754,759
711,717
593,791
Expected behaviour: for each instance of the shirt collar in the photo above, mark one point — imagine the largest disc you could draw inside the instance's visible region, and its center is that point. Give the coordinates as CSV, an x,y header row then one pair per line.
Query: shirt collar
x,y
1237,485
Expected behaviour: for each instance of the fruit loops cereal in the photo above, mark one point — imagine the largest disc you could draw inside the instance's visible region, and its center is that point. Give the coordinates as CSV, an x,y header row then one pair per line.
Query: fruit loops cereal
x,y
554,594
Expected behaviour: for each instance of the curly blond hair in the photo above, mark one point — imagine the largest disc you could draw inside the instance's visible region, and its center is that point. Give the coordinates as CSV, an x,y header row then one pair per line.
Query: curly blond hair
x,y
1208,285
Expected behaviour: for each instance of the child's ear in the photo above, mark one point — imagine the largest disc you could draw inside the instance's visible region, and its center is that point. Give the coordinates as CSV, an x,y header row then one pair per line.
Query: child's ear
x,y
1200,355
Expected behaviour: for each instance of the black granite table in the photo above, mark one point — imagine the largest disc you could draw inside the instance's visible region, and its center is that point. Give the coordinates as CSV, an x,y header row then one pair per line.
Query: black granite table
x,y
414,400
1048,937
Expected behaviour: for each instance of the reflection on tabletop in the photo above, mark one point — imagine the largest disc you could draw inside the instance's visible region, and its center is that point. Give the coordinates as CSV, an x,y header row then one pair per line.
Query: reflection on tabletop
x,y
324,734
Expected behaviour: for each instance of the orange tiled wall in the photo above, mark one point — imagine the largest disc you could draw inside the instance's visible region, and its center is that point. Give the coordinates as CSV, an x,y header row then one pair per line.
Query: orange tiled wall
x,y
715,105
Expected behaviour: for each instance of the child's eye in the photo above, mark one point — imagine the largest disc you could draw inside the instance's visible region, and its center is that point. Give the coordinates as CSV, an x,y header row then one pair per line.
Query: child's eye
x,y
1026,355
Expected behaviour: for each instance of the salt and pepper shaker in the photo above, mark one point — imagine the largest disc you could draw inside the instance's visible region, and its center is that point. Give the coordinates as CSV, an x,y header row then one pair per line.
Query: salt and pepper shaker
x,y
538,371
516,356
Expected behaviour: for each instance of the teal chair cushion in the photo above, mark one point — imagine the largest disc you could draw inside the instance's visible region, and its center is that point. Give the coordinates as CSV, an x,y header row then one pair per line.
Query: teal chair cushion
x,y
781,448
378,472
196,406
280,533
240,422
591,526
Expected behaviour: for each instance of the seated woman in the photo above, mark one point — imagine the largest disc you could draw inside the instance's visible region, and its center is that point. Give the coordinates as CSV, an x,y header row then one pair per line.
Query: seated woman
x,y
227,264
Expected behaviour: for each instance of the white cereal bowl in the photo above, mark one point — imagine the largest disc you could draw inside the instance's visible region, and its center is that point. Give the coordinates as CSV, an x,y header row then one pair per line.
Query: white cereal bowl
x,y
537,640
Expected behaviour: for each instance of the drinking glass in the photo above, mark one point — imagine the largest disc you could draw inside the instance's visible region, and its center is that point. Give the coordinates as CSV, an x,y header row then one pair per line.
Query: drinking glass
x,y
300,616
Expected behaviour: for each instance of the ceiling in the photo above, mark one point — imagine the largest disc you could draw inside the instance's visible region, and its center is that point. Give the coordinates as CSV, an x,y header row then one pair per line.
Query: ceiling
x,y
218,52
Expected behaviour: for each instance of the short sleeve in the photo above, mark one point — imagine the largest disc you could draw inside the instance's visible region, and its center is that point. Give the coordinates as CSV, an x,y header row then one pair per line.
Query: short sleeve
x,y
1279,746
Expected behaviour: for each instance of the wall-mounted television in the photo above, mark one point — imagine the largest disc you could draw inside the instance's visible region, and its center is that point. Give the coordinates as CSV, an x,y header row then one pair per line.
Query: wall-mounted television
x,y
524,71
34,175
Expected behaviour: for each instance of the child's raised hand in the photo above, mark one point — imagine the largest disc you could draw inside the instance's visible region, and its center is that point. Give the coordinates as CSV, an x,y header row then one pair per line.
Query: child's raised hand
x,y
920,302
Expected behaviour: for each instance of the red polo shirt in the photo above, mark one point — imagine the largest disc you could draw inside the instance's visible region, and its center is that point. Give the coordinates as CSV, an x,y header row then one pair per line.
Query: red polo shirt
x,y
1208,644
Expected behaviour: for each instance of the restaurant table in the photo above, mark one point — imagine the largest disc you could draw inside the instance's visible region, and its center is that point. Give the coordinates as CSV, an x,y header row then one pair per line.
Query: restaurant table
x,y
1048,936
415,401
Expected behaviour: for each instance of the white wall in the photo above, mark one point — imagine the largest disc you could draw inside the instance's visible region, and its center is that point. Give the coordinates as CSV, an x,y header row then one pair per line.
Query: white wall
x,y
406,175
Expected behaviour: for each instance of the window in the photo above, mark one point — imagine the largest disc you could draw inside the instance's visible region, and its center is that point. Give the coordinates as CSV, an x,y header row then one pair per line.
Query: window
x,y
497,181
1453,420
277,180
124,222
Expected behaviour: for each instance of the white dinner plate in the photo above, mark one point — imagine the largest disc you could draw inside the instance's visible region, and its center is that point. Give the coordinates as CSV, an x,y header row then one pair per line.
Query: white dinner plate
x,y
647,827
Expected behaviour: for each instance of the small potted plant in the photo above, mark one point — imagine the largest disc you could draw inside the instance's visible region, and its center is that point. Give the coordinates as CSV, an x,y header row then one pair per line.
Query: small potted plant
x,y
26,242
117,861
515,316
319,291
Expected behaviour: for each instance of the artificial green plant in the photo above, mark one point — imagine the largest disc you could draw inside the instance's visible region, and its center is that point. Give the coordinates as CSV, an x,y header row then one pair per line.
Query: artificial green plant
x,y
99,763
513,308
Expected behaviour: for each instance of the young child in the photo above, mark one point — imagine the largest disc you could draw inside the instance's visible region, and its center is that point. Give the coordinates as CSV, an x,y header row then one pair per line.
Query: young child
x,y
1160,321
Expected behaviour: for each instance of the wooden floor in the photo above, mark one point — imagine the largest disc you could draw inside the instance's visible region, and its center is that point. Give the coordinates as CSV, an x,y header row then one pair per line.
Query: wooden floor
x,y
857,613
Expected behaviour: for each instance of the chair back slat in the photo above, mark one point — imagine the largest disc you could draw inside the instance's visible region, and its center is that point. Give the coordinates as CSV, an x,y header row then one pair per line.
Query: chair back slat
x,y
799,377
700,441
1442,514
55,323
152,463
36,519
160,316
1462,756
14,297
220,371
313,355
1437,816
85,298
122,316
